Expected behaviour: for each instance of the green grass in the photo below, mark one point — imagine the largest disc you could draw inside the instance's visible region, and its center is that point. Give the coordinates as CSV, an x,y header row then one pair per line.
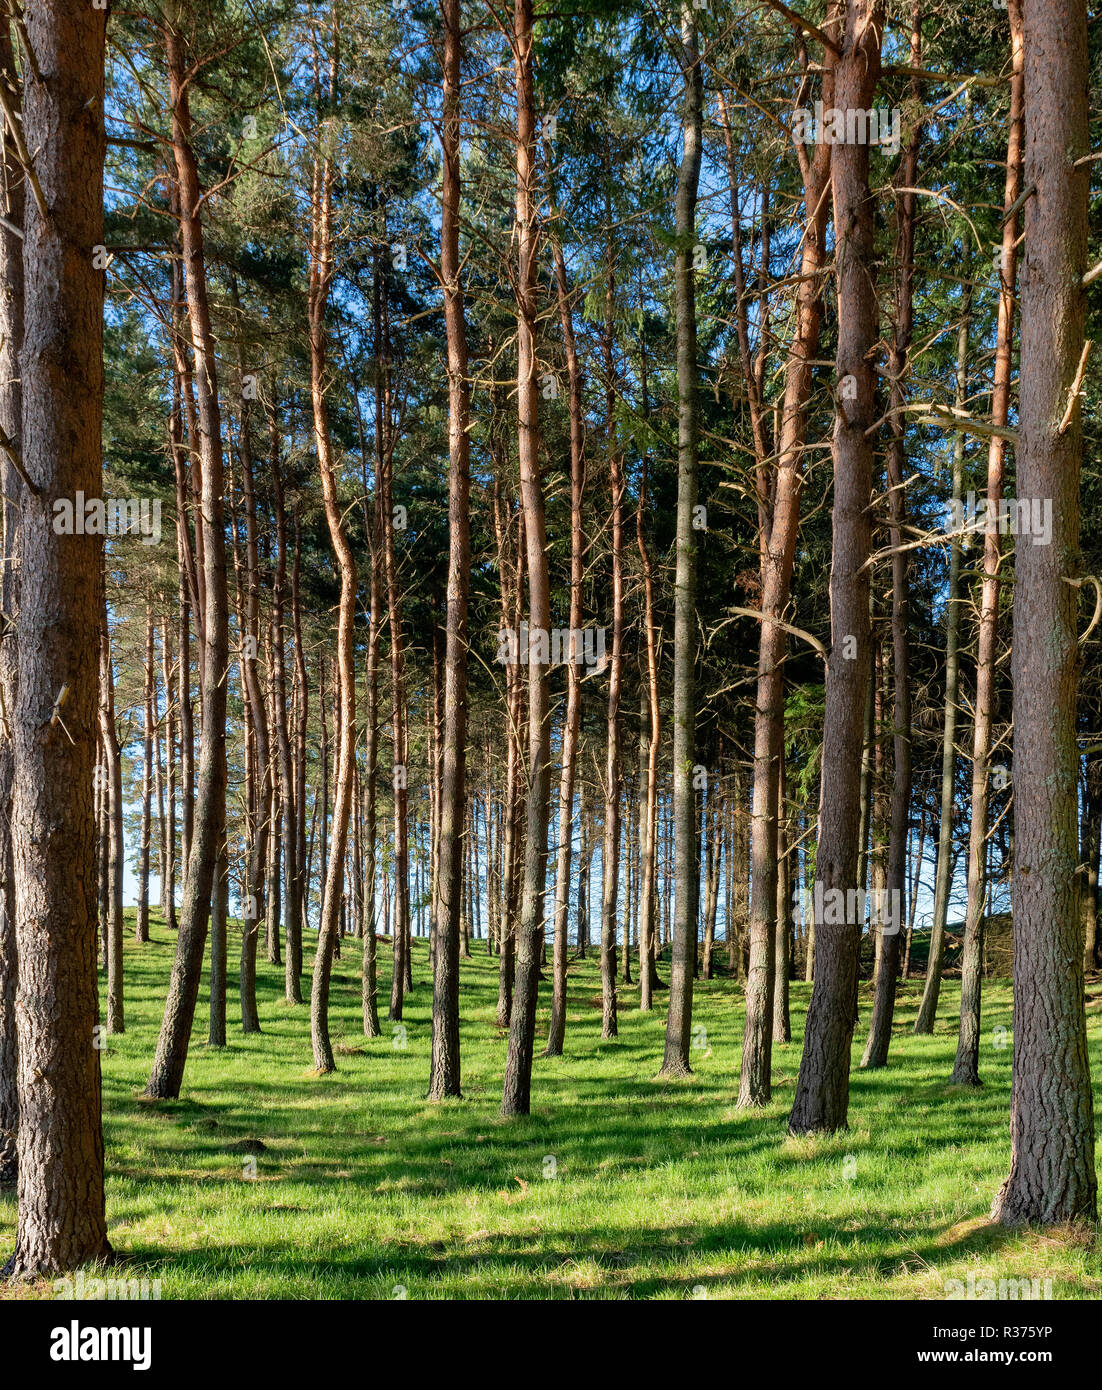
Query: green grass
x,y
660,1190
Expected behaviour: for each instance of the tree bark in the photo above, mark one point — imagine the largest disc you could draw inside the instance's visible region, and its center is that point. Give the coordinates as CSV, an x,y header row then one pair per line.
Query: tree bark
x,y
822,1092
884,990
680,1015
11,423
966,1069
60,1147
210,810
1052,1175
522,1021
943,875
445,1076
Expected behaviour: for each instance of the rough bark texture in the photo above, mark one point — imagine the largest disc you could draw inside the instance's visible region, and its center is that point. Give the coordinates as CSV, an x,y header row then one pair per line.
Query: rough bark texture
x,y
61,1196
11,423
884,990
1052,1176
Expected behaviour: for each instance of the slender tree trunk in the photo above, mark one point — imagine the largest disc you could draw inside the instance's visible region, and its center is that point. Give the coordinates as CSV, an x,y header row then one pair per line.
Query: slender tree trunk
x,y
172,1045
257,871
822,1092
779,525
292,909
113,926
883,1011
321,273
610,856
943,874
444,1079
141,928
966,1069
573,716
680,1015
522,1021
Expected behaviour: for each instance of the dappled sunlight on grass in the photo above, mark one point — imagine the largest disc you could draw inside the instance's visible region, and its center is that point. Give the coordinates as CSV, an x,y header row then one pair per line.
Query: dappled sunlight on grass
x,y
265,1181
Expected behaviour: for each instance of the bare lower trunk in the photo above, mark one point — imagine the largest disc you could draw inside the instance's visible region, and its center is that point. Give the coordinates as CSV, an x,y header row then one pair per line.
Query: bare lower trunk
x,y
943,875
966,1067
445,1078
522,1022
680,1015
822,1092
210,811
1052,1174
60,1148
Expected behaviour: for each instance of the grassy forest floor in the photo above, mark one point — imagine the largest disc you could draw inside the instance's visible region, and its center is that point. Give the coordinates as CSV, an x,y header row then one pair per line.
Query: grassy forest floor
x,y
618,1185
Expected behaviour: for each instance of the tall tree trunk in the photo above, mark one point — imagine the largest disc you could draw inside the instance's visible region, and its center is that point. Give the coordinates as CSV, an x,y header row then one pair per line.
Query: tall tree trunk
x,y
943,873
11,424
1052,1175
141,928
210,810
610,855
779,526
169,680
680,1015
444,1079
292,907
60,1147
573,717
648,973
782,1023
966,1069
822,1092
369,991
522,1022
321,275
257,871
883,1011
